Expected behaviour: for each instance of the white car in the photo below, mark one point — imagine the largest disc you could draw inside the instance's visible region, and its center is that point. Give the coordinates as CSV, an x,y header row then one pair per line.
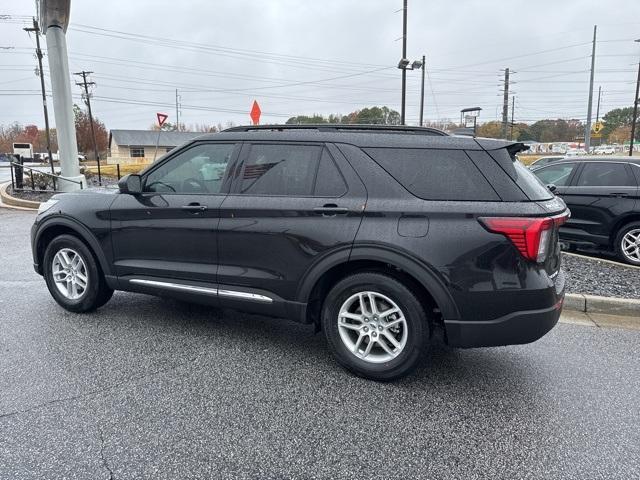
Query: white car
x,y
605,150
572,152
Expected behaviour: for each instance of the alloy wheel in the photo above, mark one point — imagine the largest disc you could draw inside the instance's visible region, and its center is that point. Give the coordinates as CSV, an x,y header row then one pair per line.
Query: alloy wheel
x,y
69,273
372,327
631,245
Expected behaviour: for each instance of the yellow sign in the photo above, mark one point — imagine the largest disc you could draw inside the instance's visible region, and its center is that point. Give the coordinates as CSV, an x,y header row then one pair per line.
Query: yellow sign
x,y
597,127
596,135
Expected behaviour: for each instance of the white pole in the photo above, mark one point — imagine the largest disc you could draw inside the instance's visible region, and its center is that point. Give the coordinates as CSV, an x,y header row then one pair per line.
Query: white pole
x,y
63,108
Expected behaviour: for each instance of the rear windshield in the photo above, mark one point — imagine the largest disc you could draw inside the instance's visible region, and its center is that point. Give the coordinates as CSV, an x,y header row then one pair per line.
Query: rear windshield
x,y
532,187
435,174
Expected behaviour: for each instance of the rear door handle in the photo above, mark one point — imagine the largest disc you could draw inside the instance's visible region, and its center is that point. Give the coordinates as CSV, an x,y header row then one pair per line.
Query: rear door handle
x,y
330,210
194,207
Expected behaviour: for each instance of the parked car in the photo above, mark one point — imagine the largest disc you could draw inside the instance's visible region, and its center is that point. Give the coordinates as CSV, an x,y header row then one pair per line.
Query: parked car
x,y
573,152
605,150
545,161
379,236
6,158
602,194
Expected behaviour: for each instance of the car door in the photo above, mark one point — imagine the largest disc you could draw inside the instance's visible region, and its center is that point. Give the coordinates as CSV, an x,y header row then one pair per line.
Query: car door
x,y
599,195
169,230
290,205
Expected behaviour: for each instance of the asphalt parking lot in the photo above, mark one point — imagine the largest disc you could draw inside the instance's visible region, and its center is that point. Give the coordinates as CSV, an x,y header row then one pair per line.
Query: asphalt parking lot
x,y
153,388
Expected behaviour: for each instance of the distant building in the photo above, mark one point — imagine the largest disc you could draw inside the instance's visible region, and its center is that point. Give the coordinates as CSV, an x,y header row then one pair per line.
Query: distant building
x,y
138,146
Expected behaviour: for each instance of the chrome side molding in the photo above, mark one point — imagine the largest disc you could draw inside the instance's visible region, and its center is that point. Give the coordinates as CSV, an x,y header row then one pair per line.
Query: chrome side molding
x,y
244,295
206,290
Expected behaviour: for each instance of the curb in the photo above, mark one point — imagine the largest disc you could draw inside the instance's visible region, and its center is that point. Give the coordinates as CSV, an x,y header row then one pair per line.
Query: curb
x,y
603,305
10,201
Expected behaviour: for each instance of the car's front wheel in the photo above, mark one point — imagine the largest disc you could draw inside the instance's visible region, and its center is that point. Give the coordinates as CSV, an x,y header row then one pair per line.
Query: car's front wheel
x,y
375,326
73,275
628,243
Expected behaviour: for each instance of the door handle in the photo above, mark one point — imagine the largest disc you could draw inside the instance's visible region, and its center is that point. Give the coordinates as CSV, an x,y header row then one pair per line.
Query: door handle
x,y
330,210
619,194
194,207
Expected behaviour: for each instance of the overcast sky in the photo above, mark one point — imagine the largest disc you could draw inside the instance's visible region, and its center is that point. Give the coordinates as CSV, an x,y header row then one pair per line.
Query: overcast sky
x,y
327,56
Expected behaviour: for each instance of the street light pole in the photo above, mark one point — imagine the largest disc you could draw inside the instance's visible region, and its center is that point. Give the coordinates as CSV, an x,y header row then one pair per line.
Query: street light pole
x,y
404,55
635,111
422,93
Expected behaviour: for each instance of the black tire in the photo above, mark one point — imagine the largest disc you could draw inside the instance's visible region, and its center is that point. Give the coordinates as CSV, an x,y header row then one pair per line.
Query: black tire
x,y
619,239
417,326
97,292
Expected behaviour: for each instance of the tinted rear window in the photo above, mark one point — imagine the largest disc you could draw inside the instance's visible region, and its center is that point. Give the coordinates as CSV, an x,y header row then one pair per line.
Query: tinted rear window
x,y
532,187
435,174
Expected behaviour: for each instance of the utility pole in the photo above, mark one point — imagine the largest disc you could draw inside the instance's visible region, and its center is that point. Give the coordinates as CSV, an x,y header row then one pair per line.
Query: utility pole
x,y
87,96
422,92
404,56
36,29
513,108
587,129
177,113
505,104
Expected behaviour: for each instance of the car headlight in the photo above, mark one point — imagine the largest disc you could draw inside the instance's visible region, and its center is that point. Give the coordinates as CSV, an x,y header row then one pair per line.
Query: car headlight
x,y
44,206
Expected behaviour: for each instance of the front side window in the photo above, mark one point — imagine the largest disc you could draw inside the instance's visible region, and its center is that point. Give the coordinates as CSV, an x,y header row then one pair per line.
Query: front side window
x,y
557,175
199,169
601,174
288,170
136,152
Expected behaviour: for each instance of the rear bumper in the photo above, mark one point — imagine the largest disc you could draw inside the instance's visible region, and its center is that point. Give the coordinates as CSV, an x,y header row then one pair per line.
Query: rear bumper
x,y
515,328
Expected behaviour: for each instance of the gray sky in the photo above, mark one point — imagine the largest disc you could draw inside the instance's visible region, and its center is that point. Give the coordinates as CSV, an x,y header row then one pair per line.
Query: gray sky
x,y
329,56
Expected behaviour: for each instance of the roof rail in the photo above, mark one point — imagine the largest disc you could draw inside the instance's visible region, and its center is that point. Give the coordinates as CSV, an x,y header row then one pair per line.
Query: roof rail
x,y
338,127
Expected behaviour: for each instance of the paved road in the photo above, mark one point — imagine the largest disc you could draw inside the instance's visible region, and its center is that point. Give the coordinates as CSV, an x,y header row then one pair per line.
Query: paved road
x,y
151,388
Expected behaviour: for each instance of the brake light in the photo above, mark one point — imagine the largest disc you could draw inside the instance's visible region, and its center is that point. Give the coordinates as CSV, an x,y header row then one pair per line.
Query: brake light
x,y
530,235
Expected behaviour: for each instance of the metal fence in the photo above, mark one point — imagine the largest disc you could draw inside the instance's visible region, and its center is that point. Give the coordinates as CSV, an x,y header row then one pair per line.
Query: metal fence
x,y
18,183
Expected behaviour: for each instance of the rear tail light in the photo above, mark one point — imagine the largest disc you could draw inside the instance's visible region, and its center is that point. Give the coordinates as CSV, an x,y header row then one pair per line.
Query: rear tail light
x,y
530,235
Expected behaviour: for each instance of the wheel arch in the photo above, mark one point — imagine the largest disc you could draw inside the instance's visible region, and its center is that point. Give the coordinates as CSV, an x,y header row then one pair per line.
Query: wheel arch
x,y
421,278
54,227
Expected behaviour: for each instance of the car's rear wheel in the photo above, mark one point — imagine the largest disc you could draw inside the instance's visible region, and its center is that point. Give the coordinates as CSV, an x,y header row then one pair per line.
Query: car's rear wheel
x,y
375,326
628,243
73,275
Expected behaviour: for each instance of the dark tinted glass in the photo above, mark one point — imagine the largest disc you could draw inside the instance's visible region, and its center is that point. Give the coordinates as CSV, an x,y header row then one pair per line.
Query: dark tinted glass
x,y
557,175
521,175
329,182
434,174
596,174
280,170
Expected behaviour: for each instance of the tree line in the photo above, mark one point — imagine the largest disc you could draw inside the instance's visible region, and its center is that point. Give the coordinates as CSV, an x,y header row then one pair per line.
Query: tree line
x,y
616,129
18,133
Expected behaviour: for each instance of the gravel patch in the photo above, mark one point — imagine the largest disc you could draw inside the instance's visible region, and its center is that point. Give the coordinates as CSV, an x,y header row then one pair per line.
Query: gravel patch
x,y
594,277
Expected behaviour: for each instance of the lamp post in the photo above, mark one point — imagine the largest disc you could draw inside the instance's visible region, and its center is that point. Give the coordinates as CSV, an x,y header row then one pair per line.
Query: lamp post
x,y
635,110
54,20
404,65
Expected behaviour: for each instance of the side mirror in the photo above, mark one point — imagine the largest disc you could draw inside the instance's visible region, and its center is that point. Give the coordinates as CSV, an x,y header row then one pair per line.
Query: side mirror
x,y
131,184
552,188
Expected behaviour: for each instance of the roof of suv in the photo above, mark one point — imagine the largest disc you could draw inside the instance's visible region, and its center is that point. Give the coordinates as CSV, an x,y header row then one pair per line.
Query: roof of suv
x,y
363,136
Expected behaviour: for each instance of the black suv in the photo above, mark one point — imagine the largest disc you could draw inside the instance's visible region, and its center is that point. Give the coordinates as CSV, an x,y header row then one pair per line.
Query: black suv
x,y
378,236
602,193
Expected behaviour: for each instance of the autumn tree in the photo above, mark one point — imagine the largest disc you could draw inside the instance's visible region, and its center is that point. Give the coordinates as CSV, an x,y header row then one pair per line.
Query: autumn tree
x,y
84,135
621,134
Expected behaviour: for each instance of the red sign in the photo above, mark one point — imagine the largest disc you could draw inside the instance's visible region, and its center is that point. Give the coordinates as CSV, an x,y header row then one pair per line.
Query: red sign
x,y
162,117
255,113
